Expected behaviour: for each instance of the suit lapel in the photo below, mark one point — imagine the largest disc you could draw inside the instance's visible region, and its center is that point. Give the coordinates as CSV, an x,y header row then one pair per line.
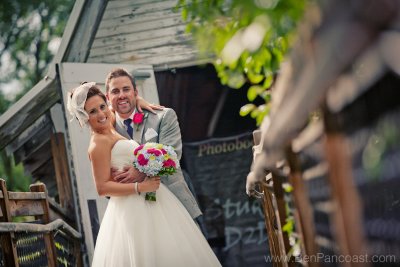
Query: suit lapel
x,y
120,127
138,131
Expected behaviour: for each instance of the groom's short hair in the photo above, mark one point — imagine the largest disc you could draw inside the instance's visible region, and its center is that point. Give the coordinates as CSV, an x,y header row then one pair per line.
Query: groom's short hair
x,y
119,72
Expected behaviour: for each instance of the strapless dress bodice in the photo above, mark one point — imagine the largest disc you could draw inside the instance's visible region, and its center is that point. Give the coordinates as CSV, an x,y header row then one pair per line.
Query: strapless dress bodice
x,y
122,153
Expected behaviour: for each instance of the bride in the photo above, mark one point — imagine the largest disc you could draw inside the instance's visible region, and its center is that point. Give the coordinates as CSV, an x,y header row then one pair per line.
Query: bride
x,y
134,232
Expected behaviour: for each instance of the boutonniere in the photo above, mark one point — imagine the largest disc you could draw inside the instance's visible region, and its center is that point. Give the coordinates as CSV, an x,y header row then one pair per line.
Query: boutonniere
x,y
138,119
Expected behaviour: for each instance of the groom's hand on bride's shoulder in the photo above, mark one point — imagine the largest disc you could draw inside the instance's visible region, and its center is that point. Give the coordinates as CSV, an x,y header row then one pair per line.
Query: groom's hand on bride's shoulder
x,y
127,175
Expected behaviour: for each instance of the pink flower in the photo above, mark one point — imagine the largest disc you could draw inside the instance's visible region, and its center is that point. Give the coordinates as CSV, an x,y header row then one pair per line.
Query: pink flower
x,y
169,163
154,151
142,160
163,151
137,149
138,118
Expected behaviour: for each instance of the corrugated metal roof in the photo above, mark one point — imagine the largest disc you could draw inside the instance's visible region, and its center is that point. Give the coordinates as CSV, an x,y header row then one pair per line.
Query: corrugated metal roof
x,y
143,32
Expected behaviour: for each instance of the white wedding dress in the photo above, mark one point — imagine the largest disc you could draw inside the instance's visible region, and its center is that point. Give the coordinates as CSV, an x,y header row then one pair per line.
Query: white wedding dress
x,y
136,232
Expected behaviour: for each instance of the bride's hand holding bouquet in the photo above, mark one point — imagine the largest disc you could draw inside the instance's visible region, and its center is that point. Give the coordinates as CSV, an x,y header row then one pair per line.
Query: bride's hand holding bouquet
x,y
149,185
155,160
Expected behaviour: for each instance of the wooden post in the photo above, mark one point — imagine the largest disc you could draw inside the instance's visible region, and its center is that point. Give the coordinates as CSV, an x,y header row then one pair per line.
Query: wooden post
x,y
48,237
63,179
348,212
303,208
275,244
7,239
282,216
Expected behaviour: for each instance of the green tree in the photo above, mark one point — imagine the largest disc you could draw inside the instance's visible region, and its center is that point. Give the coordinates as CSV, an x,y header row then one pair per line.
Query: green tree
x,y
30,31
248,40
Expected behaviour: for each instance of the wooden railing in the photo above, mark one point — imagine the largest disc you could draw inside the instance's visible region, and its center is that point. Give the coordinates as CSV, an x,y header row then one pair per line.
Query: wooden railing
x,y
334,135
39,240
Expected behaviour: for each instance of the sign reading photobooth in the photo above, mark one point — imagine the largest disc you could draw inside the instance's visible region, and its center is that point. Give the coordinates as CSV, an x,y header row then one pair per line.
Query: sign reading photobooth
x,y
235,223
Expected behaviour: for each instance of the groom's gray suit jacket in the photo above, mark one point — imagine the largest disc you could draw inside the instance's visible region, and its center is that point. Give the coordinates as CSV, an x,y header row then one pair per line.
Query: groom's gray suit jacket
x,y
163,128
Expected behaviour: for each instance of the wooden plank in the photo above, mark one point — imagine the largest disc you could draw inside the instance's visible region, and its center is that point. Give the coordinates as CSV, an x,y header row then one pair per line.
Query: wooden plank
x,y
27,110
169,62
73,73
26,195
128,33
31,147
26,208
143,39
124,46
43,122
40,228
138,10
153,53
128,3
179,57
348,213
58,151
146,22
84,26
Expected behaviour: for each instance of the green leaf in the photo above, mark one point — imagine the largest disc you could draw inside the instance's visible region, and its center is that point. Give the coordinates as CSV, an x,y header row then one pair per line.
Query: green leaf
x,y
288,227
235,80
253,92
246,109
255,78
255,113
266,95
215,22
184,14
268,81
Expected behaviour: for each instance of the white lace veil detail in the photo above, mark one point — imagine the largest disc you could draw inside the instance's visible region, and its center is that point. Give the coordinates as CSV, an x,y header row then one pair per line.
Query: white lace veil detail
x,y
76,103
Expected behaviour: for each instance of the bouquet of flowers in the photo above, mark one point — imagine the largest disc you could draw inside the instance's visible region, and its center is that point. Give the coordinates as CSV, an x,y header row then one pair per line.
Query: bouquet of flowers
x,y
155,159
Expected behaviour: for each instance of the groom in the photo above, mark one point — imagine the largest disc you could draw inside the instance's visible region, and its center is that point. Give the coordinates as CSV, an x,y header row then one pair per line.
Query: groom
x,y
161,127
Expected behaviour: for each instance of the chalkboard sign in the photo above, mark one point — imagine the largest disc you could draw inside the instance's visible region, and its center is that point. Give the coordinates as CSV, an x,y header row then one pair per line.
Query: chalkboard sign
x,y
235,224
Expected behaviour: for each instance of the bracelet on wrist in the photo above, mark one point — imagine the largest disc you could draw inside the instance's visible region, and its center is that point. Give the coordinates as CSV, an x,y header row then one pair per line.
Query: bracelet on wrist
x,y
136,188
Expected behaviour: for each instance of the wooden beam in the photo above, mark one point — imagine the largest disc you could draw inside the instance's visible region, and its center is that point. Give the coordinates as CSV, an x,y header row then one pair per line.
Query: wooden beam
x,y
40,228
303,208
43,122
77,40
348,213
86,19
32,145
315,66
274,237
282,215
27,110
58,151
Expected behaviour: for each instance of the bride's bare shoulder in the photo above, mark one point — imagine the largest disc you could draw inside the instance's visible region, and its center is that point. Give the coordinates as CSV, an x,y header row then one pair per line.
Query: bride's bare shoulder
x,y
99,143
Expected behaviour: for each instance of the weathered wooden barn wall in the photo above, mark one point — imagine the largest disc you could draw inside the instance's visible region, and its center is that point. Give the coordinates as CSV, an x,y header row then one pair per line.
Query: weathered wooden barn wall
x,y
142,32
